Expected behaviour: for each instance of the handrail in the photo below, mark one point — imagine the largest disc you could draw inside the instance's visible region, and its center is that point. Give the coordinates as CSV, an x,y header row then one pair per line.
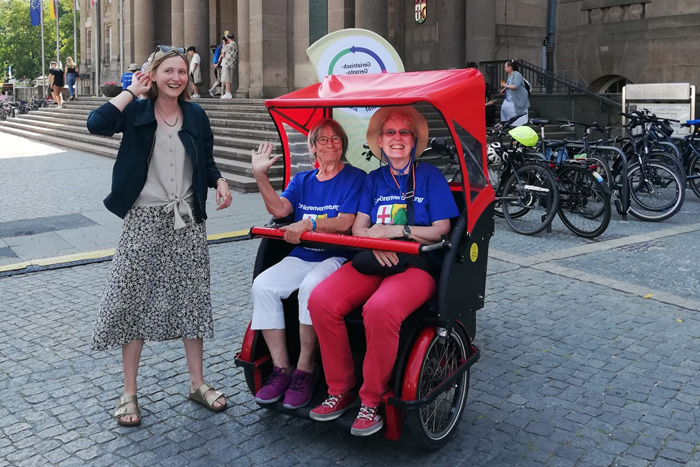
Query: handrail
x,y
543,81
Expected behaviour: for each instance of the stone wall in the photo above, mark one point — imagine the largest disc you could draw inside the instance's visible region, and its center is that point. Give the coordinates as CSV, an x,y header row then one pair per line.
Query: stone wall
x,y
645,41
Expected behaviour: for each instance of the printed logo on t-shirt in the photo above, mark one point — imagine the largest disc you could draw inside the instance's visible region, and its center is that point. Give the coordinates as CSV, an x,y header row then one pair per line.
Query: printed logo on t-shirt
x,y
306,215
391,214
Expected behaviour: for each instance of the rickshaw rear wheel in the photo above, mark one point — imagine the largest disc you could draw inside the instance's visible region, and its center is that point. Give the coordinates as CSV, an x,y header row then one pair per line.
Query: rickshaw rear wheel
x,y
432,426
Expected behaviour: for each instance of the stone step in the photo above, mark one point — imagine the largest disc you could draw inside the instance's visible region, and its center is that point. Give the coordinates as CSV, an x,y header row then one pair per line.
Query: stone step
x,y
237,181
79,124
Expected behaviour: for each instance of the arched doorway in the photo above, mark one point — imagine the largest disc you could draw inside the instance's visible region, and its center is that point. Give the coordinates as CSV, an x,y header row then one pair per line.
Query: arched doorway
x,y
609,84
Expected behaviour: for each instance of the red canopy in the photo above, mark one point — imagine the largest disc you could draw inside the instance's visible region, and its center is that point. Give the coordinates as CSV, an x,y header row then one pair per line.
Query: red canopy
x,y
458,94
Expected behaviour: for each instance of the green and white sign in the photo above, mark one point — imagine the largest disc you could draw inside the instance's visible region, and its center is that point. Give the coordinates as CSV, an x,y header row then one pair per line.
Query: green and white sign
x,y
354,52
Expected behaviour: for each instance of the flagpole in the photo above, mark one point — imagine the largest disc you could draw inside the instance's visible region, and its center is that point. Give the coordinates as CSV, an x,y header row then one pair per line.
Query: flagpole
x,y
43,53
58,58
75,35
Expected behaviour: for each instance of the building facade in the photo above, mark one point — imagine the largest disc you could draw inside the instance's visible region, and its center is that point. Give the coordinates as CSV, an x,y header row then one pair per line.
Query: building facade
x,y
599,43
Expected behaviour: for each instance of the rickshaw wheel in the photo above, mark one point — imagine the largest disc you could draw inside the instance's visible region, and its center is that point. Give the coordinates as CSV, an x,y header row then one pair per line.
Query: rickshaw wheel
x,y
435,424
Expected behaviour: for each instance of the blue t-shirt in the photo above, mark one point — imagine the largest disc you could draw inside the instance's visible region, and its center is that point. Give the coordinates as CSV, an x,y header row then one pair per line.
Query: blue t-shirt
x,y
126,79
383,202
311,198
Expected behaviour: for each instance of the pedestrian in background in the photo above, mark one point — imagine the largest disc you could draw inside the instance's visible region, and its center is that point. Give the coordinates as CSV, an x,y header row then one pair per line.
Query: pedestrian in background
x,y
71,74
128,75
490,107
56,83
228,64
516,101
195,70
216,65
158,287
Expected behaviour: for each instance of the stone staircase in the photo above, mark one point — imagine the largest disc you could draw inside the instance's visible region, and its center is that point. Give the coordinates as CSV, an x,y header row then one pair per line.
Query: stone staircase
x,y
239,125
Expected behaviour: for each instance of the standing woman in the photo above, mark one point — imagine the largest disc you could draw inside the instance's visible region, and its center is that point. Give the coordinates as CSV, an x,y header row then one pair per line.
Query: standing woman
x,y
516,101
56,83
71,77
158,286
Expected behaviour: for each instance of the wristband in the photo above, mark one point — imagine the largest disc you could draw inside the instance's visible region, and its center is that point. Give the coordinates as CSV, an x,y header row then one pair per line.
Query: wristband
x,y
130,92
313,224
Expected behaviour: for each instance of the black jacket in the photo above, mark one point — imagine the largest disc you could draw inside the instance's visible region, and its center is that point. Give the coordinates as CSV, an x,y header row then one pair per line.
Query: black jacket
x,y
138,124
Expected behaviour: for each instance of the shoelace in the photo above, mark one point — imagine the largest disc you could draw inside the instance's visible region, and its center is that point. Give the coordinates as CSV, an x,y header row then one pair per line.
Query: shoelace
x,y
367,413
331,401
299,380
277,373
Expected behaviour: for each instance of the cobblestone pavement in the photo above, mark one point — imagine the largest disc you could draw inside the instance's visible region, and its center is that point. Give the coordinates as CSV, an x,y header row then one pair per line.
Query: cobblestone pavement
x,y
589,355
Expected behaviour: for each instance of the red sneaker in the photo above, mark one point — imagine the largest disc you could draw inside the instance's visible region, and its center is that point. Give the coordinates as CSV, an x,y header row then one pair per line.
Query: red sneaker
x,y
334,406
368,422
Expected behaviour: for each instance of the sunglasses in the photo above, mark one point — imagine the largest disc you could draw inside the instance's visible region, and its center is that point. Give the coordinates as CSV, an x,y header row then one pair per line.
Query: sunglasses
x,y
167,48
323,140
403,132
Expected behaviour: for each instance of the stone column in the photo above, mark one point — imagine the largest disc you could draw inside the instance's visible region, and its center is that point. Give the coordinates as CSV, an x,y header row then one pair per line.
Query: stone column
x,y
196,24
268,48
341,15
450,47
371,15
243,40
177,23
144,30
481,30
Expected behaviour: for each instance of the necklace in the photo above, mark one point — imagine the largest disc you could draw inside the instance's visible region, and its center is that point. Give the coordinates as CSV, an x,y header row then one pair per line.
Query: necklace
x,y
165,121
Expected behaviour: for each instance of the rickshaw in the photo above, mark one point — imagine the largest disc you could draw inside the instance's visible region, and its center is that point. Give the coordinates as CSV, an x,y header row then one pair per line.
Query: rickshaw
x,y
430,380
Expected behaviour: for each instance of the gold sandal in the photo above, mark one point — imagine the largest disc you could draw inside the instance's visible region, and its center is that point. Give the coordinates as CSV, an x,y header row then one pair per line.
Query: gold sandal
x,y
124,409
208,402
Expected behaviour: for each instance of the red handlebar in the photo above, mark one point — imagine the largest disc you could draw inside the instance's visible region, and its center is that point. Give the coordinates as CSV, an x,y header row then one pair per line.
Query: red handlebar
x,y
397,246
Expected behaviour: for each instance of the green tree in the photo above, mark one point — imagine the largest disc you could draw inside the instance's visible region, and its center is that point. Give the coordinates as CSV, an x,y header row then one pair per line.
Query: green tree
x,y
20,42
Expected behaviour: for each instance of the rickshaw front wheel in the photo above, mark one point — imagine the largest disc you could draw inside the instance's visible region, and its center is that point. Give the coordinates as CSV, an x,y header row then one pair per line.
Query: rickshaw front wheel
x,y
432,426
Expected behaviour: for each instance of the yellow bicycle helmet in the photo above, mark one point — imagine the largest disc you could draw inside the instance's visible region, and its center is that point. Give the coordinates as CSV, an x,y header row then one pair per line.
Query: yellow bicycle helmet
x,y
524,135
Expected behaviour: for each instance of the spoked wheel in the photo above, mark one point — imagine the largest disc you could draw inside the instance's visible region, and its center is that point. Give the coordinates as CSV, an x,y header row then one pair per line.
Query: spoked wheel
x,y
584,204
530,199
601,166
495,171
657,192
436,423
694,171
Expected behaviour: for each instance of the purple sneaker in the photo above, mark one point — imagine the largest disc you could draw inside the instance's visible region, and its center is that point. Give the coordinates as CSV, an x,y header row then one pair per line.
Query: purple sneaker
x,y
275,386
301,389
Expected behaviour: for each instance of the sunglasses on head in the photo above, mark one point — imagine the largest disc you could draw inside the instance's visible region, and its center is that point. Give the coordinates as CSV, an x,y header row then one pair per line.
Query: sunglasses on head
x,y
167,48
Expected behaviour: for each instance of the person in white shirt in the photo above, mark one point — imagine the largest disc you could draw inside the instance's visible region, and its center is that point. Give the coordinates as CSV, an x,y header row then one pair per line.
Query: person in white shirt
x,y
195,71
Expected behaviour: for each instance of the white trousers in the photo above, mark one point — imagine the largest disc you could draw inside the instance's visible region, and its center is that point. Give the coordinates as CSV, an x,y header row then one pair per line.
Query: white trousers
x,y
279,281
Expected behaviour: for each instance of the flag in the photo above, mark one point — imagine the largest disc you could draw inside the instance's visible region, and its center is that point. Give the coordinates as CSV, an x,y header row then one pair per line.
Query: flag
x,y
35,12
52,8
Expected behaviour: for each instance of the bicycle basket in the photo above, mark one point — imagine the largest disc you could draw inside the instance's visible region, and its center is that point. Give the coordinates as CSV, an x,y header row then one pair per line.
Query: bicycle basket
x,y
524,135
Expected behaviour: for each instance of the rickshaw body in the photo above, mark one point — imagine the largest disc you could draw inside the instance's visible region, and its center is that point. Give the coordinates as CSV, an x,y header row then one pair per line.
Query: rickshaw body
x,y
431,375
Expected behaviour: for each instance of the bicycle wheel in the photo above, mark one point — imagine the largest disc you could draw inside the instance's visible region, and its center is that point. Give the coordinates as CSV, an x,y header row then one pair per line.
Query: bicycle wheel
x,y
584,203
656,191
601,166
495,171
674,163
530,199
694,171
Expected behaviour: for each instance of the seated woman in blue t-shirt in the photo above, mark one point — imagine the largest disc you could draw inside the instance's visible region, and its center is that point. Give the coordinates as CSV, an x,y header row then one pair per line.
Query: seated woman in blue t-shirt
x,y
323,200
397,136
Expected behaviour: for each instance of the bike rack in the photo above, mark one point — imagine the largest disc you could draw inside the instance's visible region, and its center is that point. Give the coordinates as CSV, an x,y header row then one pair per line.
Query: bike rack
x,y
624,204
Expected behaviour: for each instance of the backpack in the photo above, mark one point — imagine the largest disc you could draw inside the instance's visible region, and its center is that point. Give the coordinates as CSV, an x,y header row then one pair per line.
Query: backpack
x,y
526,83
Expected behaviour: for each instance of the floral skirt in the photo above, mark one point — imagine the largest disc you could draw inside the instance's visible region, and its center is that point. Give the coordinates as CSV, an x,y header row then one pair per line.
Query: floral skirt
x,y
158,286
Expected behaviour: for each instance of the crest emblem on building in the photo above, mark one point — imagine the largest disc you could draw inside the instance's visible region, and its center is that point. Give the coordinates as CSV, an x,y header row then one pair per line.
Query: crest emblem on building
x,y
420,11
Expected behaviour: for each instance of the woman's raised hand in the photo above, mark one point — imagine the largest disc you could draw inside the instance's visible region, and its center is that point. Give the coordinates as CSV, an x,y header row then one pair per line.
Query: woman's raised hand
x,y
141,83
261,160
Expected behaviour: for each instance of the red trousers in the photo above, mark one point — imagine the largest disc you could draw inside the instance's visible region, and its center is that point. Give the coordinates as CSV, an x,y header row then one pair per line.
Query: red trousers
x,y
386,302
